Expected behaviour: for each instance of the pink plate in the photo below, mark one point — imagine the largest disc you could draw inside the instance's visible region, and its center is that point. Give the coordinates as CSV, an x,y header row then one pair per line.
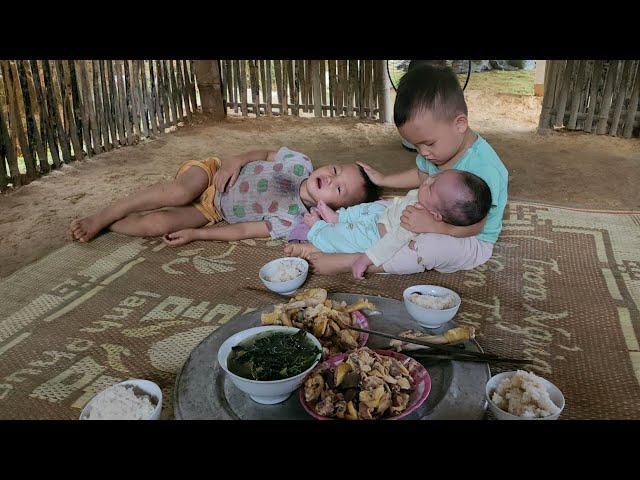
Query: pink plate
x,y
419,393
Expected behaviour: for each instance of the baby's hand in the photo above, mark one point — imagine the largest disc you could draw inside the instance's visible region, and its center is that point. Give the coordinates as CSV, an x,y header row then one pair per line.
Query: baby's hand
x,y
360,266
327,213
417,219
227,173
311,218
181,237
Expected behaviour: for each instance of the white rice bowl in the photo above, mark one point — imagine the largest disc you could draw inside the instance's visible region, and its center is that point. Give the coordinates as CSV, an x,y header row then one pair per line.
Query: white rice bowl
x,y
524,395
285,270
434,302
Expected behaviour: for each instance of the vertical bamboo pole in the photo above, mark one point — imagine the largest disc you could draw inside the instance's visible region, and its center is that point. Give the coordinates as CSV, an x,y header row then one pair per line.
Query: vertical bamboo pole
x,y
91,110
269,87
124,104
48,124
289,79
228,76
235,66
54,105
176,92
596,80
621,97
81,104
362,79
31,110
12,85
607,97
6,139
323,85
192,83
109,116
132,100
184,74
101,105
255,88
331,66
353,86
64,73
169,92
564,92
83,133
633,105
282,99
317,94
141,95
147,101
161,107
243,86
577,95
116,99
296,87
263,82
550,74
149,89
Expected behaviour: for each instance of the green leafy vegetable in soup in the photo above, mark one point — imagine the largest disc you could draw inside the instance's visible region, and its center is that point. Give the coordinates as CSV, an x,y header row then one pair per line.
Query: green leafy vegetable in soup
x,y
273,356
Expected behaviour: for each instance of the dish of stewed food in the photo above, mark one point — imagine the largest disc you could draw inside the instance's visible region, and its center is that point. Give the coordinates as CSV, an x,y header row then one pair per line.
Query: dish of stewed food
x,y
325,319
365,385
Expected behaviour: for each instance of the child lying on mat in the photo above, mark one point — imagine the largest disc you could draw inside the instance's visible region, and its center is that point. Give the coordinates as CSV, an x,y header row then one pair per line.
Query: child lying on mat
x,y
260,193
454,197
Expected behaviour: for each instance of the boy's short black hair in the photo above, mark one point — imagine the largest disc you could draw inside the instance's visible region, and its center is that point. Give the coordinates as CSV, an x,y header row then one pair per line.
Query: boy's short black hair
x,y
474,205
372,191
429,88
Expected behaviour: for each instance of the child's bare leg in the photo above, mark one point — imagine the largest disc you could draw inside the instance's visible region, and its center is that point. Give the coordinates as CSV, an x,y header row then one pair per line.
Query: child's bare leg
x,y
181,191
332,263
160,222
301,250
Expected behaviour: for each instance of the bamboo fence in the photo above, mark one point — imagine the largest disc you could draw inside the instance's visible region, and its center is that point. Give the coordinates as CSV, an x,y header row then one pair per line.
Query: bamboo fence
x,y
320,88
595,96
54,112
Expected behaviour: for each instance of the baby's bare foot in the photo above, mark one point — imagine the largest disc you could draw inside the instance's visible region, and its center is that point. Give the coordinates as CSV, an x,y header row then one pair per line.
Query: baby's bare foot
x,y
85,229
330,263
302,250
327,213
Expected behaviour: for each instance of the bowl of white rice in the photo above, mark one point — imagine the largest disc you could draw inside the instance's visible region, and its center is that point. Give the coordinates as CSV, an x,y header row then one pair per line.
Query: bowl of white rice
x,y
430,305
522,395
130,400
284,275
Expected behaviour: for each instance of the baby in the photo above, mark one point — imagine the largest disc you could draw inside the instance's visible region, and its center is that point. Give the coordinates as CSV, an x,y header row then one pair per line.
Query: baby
x,y
260,193
454,197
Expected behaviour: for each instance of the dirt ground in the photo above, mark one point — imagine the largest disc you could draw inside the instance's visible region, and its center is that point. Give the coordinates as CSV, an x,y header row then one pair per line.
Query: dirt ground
x,y
563,168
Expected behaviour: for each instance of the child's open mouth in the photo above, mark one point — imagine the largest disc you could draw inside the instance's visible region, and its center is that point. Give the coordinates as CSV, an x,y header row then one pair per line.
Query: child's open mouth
x,y
319,183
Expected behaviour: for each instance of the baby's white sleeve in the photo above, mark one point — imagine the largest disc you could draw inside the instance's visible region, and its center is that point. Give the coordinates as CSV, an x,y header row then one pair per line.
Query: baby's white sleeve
x,y
388,246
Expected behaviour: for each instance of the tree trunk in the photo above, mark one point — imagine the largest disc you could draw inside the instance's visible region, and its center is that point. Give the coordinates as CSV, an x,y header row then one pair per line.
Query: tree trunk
x,y
208,79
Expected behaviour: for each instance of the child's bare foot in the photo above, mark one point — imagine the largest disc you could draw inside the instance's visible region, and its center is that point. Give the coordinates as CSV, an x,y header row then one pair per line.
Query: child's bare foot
x,y
85,229
302,250
327,213
331,263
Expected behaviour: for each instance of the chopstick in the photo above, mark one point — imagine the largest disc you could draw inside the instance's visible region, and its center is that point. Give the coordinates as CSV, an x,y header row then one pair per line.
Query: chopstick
x,y
442,348
463,358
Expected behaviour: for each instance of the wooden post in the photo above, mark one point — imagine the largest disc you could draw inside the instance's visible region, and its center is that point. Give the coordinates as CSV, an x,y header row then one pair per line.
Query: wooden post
x,y
268,87
36,136
353,86
208,78
577,95
64,73
255,87
83,133
237,85
89,107
607,97
12,85
282,97
564,92
323,83
296,87
386,104
317,94
5,137
333,84
54,103
101,104
243,87
633,105
596,78
46,121
620,98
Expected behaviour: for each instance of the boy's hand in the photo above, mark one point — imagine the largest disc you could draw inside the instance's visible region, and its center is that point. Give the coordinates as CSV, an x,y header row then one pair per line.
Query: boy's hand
x,y
181,237
417,219
229,169
327,213
375,176
360,266
311,218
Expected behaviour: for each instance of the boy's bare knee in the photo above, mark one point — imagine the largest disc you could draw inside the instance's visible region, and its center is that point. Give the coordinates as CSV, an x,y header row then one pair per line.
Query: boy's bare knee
x,y
179,195
155,224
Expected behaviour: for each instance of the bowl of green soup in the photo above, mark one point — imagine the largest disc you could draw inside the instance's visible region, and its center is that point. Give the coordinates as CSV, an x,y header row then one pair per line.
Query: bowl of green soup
x,y
270,362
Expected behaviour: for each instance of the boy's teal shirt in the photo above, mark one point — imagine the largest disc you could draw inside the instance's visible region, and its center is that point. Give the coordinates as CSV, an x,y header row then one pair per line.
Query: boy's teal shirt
x,y
482,160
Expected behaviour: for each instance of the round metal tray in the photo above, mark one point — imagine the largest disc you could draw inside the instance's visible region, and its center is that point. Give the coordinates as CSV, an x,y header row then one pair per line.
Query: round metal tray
x,y
204,392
